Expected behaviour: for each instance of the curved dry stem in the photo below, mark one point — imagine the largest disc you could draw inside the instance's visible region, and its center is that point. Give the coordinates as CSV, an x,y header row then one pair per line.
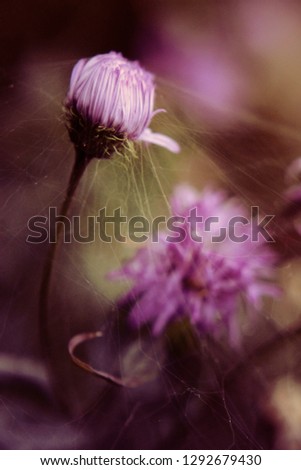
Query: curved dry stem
x,y
129,382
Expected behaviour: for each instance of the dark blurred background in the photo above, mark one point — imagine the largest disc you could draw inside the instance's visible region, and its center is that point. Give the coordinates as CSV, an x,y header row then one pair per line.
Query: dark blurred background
x,y
229,74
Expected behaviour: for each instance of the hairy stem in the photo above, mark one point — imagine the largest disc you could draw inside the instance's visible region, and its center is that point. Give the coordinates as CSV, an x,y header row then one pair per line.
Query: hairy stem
x,y
80,164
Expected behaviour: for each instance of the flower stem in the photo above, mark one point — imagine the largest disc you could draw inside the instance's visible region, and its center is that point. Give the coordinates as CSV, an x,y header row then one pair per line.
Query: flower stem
x,y
80,164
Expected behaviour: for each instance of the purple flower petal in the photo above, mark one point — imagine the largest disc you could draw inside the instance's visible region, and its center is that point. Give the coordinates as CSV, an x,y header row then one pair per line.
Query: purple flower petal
x,y
159,139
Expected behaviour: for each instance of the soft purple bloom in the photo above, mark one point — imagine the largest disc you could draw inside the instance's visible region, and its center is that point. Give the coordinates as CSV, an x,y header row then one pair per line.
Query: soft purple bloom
x,y
214,81
210,283
115,96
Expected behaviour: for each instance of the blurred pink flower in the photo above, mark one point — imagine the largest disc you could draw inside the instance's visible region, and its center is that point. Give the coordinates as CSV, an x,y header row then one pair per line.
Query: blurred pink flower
x,y
205,281
211,78
211,75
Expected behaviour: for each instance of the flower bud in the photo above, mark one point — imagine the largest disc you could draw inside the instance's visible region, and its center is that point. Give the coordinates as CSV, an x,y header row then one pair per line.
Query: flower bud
x,y
110,101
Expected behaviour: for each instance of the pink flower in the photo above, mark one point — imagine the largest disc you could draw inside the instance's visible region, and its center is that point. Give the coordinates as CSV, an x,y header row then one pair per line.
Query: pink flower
x,y
208,282
111,100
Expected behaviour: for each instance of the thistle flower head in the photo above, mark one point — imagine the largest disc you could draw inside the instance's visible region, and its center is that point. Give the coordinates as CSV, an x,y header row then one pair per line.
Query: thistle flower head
x,y
111,100
205,281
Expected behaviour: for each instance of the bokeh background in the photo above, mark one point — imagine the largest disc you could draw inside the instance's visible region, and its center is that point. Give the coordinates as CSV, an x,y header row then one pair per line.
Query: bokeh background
x,y
229,75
